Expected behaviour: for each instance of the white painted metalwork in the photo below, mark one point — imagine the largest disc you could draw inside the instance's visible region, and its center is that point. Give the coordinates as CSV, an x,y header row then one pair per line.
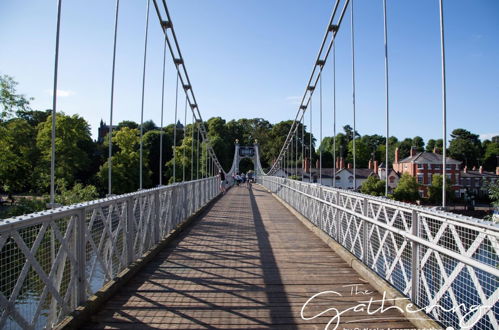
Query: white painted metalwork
x,y
40,282
445,263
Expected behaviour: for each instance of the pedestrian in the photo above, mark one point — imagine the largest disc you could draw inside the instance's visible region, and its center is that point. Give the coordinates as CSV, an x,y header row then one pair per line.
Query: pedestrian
x,y
221,176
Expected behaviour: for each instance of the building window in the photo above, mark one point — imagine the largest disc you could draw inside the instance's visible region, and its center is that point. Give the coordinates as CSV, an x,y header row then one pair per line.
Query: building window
x,y
420,166
436,167
429,178
338,178
420,178
449,166
350,179
405,165
392,179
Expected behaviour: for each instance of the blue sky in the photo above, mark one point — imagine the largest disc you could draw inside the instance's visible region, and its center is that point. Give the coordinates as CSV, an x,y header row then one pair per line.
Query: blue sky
x,y
253,59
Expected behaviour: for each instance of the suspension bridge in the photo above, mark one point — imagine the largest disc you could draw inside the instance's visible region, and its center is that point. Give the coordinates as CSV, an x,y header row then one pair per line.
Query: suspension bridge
x,y
278,253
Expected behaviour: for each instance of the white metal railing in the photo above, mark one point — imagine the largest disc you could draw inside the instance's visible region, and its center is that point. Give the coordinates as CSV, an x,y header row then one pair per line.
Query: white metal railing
x,y
52,261
447,264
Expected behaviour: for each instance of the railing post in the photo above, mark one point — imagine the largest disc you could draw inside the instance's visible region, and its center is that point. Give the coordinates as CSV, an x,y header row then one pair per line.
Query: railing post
x,y
321,207
80,258
365,231
338,216
415,258
157,210
173,209
130,230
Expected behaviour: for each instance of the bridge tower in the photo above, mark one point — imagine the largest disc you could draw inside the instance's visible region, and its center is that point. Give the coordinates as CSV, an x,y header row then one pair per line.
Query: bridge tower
x,y
242,152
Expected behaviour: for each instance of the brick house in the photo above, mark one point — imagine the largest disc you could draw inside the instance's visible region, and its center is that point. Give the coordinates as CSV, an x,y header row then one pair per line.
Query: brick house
x,y
475,182
423,165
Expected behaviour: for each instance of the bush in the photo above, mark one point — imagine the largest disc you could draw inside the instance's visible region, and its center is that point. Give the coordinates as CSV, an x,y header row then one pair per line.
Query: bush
x,y
407,189
25,206
373,186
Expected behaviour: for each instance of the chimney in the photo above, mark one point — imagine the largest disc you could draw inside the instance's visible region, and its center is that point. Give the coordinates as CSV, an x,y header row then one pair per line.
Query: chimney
x,y
480,169
375,170
306,165
436,150
342,163
337,164
349,166
465,169
317,163
413,151
396,160
370,164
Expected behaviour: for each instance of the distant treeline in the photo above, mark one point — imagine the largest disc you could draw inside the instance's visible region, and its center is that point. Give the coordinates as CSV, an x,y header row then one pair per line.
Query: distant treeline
x,y
25,145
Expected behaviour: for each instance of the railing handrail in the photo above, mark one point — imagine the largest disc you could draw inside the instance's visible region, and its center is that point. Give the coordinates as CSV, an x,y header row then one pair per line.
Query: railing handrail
x,y
25,220
462,219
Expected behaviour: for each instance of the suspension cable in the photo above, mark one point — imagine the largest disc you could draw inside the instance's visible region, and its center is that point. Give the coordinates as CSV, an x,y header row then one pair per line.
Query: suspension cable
x,y
334,116
143,94
353,95
175,134
302,148
176,54
161,133
197,153
192,149
183,140
54,106
110,133
296,154
444,105
386,98
310,139
320,126
321,59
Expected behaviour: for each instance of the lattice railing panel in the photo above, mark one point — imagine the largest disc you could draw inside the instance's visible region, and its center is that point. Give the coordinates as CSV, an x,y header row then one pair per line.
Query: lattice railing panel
x,y
445,263
52,261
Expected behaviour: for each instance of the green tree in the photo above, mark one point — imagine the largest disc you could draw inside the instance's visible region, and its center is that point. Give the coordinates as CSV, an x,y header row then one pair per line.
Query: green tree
x,y
71,144
127,123
407,189
493,189
79,193
362,153
151,144
432,144
33,117
435,190
19,155
373,186
10,101
405,148
149,125
125,163
465,146
491,154
418,143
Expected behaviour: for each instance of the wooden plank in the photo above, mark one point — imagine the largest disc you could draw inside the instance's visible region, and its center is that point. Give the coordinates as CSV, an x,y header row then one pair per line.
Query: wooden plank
x,y
247,263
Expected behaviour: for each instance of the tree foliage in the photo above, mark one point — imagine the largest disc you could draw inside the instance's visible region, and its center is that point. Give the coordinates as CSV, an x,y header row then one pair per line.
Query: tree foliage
x,y
10,101
72,143
465,146
125,163
435,190
407,189
373,186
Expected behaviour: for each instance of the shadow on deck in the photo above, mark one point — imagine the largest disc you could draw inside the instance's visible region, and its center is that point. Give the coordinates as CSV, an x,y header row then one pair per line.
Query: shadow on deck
x,y
245,263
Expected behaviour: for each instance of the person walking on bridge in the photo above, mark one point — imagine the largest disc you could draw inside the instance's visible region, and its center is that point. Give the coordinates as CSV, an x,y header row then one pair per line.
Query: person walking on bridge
x,y
221,175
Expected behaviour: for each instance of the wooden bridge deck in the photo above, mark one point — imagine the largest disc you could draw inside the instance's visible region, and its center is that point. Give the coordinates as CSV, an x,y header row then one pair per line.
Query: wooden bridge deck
x,y
245,263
